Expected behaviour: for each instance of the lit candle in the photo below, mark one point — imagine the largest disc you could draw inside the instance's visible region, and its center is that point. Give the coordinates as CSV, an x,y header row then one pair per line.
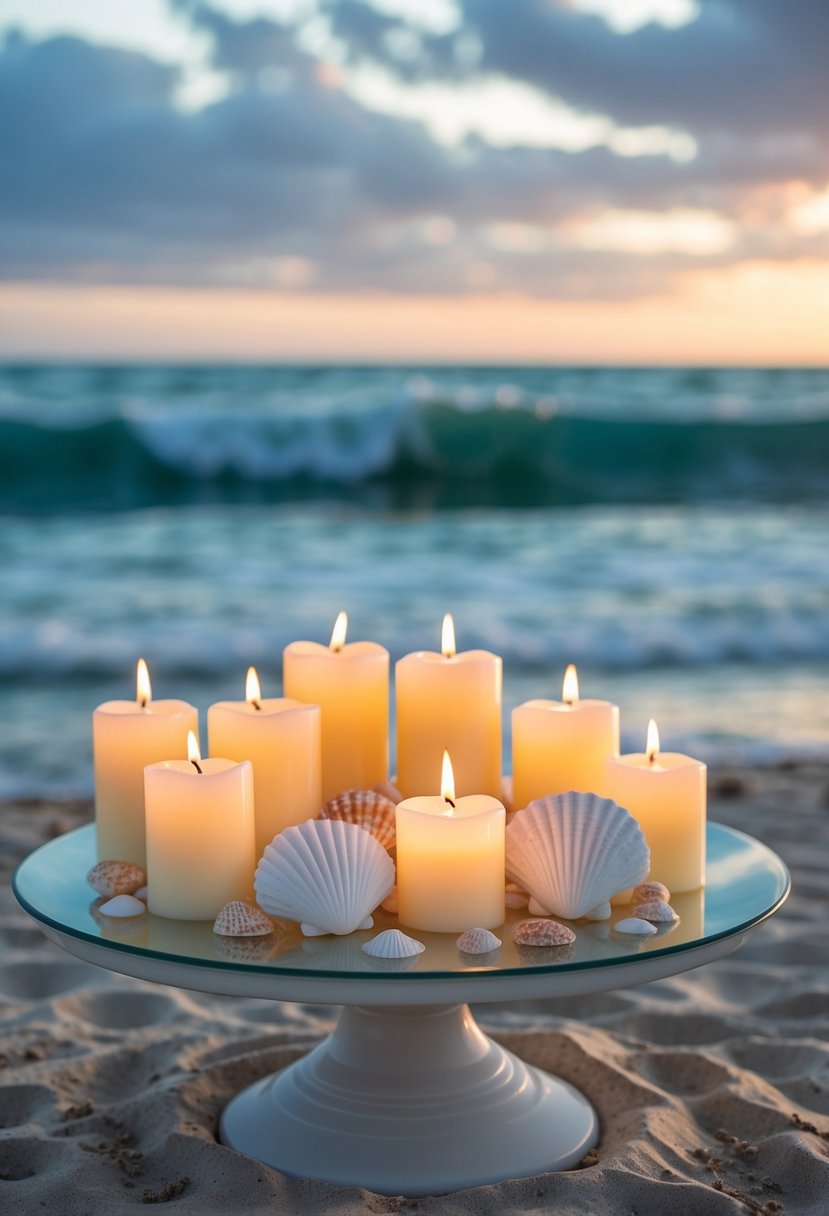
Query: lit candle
x,y
562,745
450,860
200,835
350,684
281,738
126,736
451,701
665,792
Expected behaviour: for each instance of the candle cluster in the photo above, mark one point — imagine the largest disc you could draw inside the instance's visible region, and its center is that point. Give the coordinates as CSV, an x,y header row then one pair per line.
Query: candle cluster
x,y
198,825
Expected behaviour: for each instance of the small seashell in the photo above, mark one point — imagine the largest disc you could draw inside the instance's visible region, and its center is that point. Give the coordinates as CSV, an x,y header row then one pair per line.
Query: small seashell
x,y
657,910
389,904
600,912
245,949
542,933
391,943
537,909
514,897
369,810
478,941
649,890
123,905
141,893
238,919
635,926
116,878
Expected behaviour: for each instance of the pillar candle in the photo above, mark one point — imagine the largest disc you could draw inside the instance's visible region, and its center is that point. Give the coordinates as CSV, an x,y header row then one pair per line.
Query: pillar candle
x,y
200,835
665,792
450,861
562,745
449,701
126,736
350,684
281,738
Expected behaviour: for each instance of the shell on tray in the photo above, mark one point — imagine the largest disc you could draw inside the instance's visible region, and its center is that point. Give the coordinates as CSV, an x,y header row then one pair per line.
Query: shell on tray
x,y
369,809
657,910
478,941
391,943
542,933
573,852
123,905
649,890
390,903
325,873
116,878
239,919
634,926
514,897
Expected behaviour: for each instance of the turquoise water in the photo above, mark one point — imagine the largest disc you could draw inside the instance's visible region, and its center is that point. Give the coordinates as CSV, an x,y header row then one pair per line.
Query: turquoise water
x,y
665,530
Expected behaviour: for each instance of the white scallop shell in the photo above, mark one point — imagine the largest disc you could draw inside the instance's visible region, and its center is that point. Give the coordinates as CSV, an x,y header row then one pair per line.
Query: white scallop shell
x,y
573,852
391,943
370,810
478,941
238,919
327,874
123,905
635,926
116,878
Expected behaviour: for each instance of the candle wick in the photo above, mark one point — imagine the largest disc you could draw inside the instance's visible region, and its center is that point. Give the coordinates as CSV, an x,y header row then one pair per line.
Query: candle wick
x,y
451,803
143,702
197,767
256,704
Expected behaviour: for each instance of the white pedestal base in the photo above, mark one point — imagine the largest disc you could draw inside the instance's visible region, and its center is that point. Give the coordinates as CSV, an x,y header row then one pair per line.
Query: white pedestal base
x,y
411,1101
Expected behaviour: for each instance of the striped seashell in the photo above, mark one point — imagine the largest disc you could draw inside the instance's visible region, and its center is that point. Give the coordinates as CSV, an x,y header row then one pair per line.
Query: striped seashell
x,y
123,905
391,943
238,919
634,926
116,878
478,941
542,933
369,810
649,890
657,910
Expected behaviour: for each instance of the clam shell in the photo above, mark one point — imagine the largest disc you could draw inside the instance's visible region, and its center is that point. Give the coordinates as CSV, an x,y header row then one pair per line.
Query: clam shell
x,y
369,809
542,933
327,874
635,926
123,905
646,891
514,897
657,910
573,851
238,919
116,878
391,943
478,941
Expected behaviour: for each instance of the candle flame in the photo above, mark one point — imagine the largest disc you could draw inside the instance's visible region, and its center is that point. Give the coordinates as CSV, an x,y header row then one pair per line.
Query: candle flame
x,y
570,685
652,745
143,688
447,781
193,752
253,689
447,637
339,632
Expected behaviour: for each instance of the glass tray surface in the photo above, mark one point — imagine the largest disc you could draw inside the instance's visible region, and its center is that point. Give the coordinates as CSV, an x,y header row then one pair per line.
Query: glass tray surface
x,y
745,883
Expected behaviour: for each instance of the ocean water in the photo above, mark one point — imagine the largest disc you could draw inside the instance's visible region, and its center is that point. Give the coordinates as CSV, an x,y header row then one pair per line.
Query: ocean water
x,y
666,530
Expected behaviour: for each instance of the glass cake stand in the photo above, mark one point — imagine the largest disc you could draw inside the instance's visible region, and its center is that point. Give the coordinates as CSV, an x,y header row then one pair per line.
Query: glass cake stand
x,y
407,1095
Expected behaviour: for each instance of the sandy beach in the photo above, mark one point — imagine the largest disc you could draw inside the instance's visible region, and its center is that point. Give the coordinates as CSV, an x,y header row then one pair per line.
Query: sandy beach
x,y
712,1087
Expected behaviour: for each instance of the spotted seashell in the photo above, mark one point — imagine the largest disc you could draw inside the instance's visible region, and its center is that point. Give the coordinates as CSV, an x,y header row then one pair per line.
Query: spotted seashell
x,y
116,878
123,905
389,904
238,919
634,926
391,943
478,941
542,933
657,910
369,810
647,891
514,897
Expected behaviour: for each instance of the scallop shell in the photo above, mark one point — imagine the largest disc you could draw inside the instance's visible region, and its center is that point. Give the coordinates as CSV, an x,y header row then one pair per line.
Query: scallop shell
x,y
388,791
370,810
635,926
573,851
391,943
327,874
116,878
238,919
542,933
123,905
478,941
600,912
647,891
658,910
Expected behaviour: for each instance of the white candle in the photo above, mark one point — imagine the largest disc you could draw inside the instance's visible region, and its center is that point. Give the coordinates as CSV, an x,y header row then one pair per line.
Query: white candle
x,y
666,793
126,736
450,860
200,835
452,702
350,684
562,745
281,738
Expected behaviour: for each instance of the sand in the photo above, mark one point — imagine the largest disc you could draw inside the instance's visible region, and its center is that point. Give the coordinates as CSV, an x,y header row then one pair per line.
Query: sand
x,y
712,1087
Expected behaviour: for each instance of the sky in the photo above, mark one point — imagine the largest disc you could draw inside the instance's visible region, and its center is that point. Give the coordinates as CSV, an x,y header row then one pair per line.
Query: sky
x,y
635,181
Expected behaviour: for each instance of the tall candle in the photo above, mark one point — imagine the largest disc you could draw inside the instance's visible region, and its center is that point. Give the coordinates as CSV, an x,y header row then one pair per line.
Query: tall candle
x,y
200,835
562,745
666,793
450,860
126,736
350,684
281,738
449,701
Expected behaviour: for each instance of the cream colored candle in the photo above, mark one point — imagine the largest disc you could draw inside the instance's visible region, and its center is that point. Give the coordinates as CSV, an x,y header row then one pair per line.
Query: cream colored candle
x,y
350,684
562,745
666,793
450,861
449,701
200,835
126,736
281,738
